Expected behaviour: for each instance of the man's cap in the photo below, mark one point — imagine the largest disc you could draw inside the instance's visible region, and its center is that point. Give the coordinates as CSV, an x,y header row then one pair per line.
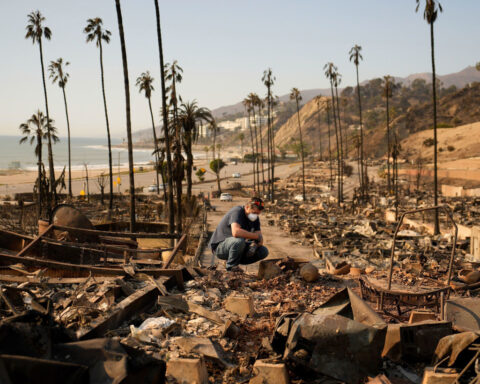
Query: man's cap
x,y
258,202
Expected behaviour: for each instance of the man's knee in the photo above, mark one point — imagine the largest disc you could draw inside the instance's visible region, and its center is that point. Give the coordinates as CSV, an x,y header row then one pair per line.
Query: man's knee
x,y
262,252
237,243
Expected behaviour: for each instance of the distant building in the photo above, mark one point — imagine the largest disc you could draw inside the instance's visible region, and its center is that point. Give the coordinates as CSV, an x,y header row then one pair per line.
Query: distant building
x,y
232,125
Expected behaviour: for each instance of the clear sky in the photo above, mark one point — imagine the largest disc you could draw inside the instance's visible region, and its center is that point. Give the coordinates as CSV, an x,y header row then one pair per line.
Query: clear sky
x,y
223,47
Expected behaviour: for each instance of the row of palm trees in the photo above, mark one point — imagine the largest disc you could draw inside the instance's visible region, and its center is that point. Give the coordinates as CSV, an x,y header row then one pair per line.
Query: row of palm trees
x,y
255,109
431,10
180,120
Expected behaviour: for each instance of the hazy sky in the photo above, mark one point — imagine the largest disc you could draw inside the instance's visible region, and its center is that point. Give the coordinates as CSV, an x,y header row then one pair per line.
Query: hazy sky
x,y
223,47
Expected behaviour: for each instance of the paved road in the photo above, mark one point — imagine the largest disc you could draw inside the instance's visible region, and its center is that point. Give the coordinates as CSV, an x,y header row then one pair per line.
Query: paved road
x,y
145,179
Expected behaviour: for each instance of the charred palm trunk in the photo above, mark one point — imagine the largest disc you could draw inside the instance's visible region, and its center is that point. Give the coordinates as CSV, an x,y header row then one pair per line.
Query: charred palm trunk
x,y
178,157
274,159
339,164
171,213
319,134
110,166
155,144
434,88
362,175
129,123
329,147
69,153
261,148
302,152
253,153
342,162
257,173
269,149
188,138
39,180
388,142
53,192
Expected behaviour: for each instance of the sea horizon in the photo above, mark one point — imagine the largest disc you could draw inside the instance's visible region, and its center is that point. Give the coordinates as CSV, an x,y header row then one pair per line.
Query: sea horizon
x,y
84,150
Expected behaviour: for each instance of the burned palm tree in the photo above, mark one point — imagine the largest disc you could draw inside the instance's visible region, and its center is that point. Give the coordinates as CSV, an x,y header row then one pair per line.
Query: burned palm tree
x,y
127,110
95,32
171,213
36,31
58,74
35,130
356,57
430,14
296,96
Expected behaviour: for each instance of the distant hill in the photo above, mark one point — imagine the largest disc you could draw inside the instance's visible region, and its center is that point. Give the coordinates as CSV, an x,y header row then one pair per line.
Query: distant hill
x,y
307,95
411,112
458,79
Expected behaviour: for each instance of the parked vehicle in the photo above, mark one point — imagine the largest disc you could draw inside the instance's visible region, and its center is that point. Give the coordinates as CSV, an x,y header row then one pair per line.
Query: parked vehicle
x,y
226,197
236,175
155,188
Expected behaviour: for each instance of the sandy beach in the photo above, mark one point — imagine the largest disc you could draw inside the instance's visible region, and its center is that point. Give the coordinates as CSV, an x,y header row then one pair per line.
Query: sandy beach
x,y
21,181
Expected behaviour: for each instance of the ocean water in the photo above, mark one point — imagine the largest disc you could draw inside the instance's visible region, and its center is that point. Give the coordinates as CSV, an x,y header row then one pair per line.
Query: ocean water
x,y
92,151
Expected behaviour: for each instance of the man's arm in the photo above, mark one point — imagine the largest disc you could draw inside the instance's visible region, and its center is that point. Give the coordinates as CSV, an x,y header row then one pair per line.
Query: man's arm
x,y
260,240
237,231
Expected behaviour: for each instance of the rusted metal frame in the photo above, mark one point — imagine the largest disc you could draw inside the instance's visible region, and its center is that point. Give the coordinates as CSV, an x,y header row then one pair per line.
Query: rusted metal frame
x,y
446,209
134,304
475,357
35,241
178,246
159,235
431,298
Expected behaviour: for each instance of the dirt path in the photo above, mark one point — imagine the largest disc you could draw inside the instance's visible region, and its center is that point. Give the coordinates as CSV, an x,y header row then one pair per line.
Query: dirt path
x,y
278,243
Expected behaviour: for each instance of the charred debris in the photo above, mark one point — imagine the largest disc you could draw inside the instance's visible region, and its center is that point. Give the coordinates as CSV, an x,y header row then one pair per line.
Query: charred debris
x,y
381,299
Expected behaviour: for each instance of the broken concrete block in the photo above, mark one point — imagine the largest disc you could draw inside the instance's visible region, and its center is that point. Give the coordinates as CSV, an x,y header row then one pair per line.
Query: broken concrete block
x,y
309,272
240,305
419,316
187,371
439,375
390,216
268,270
271,373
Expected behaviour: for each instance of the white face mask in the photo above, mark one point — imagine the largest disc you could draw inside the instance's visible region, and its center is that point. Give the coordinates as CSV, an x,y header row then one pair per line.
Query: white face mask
x,y
252,216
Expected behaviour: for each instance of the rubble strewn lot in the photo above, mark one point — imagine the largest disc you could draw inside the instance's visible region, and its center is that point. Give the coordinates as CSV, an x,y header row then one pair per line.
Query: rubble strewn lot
x,y
121,309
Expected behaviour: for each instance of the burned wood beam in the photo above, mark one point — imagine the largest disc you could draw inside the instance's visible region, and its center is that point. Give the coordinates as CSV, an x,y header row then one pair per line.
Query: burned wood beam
x,y
35,241
175,250
51,280
134,304
186,306
62,269
158,235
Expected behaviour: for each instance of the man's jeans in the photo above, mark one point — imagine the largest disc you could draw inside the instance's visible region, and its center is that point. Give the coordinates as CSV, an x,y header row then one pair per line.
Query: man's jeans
x,y
233,249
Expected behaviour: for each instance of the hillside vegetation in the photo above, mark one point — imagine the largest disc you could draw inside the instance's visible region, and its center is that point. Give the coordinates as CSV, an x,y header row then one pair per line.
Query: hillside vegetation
x,y
410,112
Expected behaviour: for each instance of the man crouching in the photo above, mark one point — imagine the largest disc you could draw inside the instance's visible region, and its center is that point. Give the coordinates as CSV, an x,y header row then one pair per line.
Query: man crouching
x,y
238,238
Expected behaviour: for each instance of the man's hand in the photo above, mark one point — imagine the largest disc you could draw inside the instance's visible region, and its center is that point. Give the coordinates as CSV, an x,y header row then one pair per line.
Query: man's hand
x,y
237,231
260,238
